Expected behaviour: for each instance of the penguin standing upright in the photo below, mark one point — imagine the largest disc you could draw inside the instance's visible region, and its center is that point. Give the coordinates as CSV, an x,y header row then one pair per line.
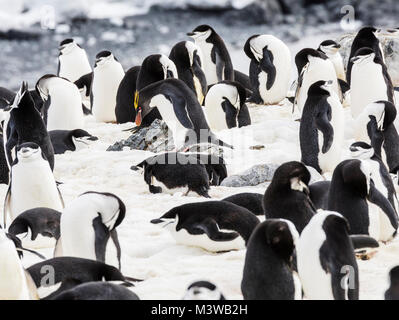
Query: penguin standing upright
x,y
87,223
63,103
72,61
108,73
15,282
331,49
321,130
382,180
179,108
25,124
269,270
188,60
353,194
365,38
32,183
370,80
217,63
327,263
225,106
124,111
287,196
270,68
313,66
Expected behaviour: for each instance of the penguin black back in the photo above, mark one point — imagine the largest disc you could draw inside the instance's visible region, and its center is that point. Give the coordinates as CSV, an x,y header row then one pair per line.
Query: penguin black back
x,y
124,110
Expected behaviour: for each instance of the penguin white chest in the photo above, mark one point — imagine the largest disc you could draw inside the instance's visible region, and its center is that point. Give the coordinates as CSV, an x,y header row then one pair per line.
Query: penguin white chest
x,y
367,86
214,113
316,282
74,65
209,66
65,111
106,82
166,110
32,186
337,61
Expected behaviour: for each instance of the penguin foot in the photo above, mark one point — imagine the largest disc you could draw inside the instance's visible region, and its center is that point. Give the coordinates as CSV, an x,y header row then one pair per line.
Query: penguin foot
x,y
155,189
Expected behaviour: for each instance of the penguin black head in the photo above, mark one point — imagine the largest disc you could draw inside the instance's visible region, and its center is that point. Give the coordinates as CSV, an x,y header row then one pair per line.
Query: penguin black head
x,y
292,175
363,54
201,32
65,45
329,46
28,150
242,93
384,113
302,57
104,56
361,150
247,47
281,236
203,290
367,33
185,54
336,223
320,88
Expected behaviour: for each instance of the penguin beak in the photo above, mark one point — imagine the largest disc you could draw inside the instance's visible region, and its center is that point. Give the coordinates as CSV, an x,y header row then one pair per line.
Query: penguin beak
x,y
191,34
138,118
352,148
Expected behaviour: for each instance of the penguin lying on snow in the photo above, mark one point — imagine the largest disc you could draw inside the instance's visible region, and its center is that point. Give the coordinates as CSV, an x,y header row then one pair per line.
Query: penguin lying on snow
x,y
175,170
212,225
327,264
179,108
16,282
251,201
32,183
225,106
125,96
269,270
392,293
43,221
188,60
217,63
203,290
62,108
353,193
87,223
287,196
321,130
70,140
270,68
97,290
25,124
70,272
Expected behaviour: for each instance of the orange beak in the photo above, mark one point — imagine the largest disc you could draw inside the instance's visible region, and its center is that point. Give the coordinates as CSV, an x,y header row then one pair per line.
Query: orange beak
x,y
138,117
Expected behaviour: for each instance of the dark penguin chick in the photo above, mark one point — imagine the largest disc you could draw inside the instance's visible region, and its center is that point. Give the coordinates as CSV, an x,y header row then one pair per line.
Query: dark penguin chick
x,y
124,109
287,196
180,109
26,125
215,226
187,58
71,271
393,291
203,290
269,270
64,140
364,38
154,68
175,170
97,290
84,86
251,201
4,171
319,194
326,259
351,193
43,221
217,63
215,166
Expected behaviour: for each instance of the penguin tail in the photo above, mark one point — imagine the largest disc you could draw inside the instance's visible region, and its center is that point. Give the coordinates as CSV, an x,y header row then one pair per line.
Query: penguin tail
x,y
203,192
363,242
133,279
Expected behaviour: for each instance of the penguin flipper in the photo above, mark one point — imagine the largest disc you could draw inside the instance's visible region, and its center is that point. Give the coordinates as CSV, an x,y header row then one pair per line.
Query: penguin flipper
x,y
61,198
210,227
115,239
244,118
267,66
378,199
231,113
324,125
101,238
34,295
361,241
6,205
180,109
